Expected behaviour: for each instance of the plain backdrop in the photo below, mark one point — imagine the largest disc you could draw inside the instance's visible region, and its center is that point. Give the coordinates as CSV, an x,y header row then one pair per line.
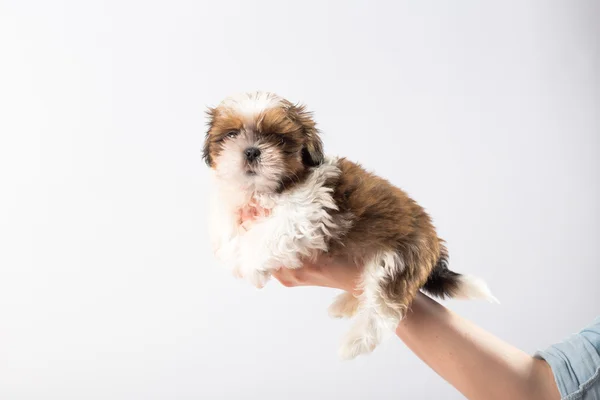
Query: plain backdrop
x,y
487,113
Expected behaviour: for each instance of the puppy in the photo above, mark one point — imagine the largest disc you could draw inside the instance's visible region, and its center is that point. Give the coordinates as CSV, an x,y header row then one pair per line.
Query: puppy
x,y
267,162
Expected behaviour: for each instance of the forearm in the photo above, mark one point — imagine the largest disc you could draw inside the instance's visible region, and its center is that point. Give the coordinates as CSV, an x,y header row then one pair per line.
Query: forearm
x,y
475,362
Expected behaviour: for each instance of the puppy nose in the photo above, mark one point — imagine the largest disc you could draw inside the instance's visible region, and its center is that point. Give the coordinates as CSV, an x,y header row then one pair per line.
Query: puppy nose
x,y
252,153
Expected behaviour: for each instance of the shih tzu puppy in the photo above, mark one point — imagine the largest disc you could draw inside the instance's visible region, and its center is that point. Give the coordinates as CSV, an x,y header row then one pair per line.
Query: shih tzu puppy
x,y
267,161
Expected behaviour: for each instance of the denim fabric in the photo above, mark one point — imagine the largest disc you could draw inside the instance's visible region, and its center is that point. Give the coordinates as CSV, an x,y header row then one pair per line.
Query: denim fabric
x,y
575,364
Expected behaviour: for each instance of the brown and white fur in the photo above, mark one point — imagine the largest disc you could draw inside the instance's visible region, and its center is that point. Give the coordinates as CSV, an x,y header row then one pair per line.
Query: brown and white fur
x,y
267,159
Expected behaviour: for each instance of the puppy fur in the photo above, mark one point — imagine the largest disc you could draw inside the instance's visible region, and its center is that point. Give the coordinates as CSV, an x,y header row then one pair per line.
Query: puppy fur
x,y
267,159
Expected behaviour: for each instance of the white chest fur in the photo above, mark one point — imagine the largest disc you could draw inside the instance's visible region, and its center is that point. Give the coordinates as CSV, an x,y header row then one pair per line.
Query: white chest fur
x,y
296,227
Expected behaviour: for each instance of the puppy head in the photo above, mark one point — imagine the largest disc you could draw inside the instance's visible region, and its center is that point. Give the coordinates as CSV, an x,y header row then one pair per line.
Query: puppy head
x,y
261,142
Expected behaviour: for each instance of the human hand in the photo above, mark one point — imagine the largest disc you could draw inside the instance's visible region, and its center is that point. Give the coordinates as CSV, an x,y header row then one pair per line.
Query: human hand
x,y
323,272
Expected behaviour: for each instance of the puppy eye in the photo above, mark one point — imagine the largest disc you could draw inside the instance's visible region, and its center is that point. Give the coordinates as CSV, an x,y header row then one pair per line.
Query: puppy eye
x,y
282,140
232,134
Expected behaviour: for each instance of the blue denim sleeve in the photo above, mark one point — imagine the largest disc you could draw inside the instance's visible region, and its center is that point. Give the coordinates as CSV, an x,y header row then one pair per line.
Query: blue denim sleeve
x,y
575,364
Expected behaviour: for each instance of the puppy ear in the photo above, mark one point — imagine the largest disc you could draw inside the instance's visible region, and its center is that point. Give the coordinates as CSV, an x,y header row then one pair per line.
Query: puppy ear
x,y
312,151
210,114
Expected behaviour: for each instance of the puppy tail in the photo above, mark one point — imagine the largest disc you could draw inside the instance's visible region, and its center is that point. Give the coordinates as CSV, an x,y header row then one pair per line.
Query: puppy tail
x,y
443,283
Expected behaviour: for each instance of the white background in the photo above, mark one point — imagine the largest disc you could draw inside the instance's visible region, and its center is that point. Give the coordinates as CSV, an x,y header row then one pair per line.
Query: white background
x,y
487,113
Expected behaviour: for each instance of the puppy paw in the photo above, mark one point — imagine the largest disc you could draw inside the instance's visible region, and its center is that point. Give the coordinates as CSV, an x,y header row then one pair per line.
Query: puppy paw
x,y
363,337
237,272
258,278
345,305
354,345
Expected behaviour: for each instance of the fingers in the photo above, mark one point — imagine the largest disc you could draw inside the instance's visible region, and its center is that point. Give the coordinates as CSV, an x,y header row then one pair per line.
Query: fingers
x,y
291,277
311,274
247,214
